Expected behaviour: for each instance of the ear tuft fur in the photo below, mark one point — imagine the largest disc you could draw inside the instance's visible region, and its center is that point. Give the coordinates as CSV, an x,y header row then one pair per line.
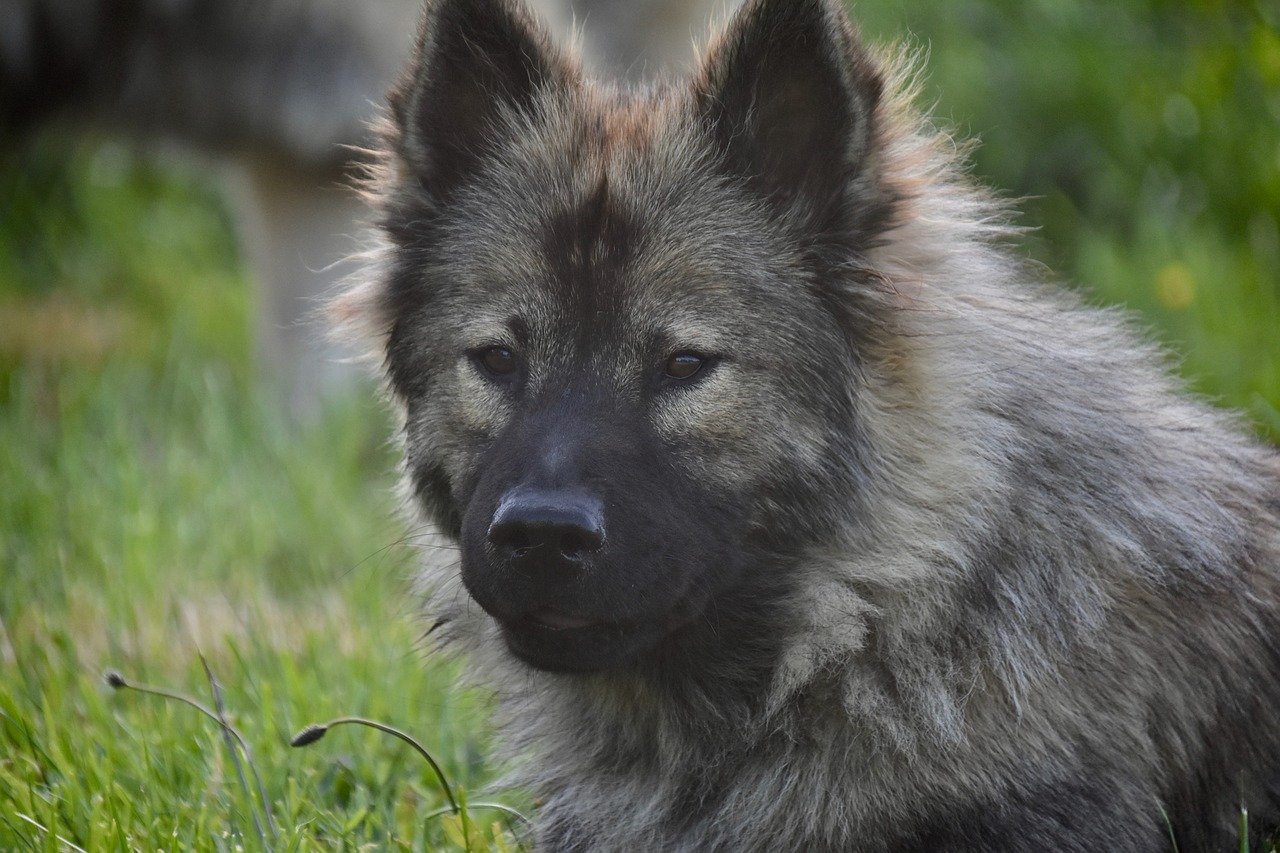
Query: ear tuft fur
x,y
476,60
791,98
360,316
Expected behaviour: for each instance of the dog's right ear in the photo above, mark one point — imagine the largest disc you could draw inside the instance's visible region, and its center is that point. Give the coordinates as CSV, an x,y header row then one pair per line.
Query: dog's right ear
x,y
475,62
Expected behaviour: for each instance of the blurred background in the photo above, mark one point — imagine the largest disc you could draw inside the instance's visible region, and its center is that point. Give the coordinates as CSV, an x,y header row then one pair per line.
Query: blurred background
x,y
184,471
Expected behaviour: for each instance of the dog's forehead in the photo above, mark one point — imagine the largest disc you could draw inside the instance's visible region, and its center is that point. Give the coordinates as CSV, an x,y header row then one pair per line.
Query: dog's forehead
x,y
609,208
602,174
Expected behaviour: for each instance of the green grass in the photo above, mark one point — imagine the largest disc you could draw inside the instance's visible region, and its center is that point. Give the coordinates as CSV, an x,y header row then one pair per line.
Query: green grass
x,y
156,507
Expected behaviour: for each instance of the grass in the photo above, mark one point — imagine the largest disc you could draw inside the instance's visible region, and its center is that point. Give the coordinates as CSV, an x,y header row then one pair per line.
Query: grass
x,y
158,508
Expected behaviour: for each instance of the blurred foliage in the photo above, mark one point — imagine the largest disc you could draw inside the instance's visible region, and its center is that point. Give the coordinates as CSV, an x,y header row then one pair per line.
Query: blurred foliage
x,y
1143,108
112,253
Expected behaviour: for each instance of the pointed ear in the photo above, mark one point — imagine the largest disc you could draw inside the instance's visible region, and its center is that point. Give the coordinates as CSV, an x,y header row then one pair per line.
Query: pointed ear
x,y
790,98
475,61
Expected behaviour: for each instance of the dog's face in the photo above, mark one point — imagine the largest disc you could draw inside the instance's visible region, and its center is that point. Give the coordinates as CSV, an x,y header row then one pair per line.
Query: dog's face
x,y
612,321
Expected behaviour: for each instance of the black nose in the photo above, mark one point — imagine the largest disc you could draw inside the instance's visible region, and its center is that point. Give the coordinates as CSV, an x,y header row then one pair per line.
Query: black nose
x,y
535,527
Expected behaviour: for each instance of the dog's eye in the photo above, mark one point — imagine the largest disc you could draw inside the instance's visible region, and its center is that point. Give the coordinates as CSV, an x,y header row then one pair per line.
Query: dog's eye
x,y
684,365
496,360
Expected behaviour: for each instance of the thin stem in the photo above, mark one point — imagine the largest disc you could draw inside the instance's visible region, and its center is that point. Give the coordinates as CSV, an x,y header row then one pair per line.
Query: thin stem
x,y
220,710
45,830
118,682
313,733
507,810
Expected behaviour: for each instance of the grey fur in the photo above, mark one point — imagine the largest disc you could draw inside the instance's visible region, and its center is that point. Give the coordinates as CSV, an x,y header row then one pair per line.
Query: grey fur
x,y
991,580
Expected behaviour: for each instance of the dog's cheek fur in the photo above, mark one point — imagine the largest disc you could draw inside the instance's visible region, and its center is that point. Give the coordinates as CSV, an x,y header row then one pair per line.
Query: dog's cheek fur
x,y
776,437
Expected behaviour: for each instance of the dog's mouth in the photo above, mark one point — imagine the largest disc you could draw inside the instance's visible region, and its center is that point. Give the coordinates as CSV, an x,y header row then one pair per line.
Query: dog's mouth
x,y
560,641
561,633
558,620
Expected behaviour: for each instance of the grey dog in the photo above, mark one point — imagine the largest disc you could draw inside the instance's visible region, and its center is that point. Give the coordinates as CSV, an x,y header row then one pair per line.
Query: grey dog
x,y
794,513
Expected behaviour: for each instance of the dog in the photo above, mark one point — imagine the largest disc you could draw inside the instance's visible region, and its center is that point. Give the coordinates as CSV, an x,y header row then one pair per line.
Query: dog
x,y
792,511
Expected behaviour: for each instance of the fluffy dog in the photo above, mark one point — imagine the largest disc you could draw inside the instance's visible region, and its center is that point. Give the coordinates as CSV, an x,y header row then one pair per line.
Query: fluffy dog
x,y
793,512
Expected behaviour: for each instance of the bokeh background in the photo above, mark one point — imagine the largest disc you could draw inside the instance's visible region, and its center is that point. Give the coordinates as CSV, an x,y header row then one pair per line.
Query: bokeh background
x,y
158,502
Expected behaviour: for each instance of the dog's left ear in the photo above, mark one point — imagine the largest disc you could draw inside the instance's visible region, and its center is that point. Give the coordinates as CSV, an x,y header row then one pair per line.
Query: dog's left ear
x,y
476,61
790,97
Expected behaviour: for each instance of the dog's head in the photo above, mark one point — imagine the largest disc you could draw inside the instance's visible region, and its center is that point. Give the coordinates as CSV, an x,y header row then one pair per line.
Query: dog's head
x,y
622,326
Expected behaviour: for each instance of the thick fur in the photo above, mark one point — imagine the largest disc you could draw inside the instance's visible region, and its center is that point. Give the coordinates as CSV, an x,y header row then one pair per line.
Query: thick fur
x,y
925,556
